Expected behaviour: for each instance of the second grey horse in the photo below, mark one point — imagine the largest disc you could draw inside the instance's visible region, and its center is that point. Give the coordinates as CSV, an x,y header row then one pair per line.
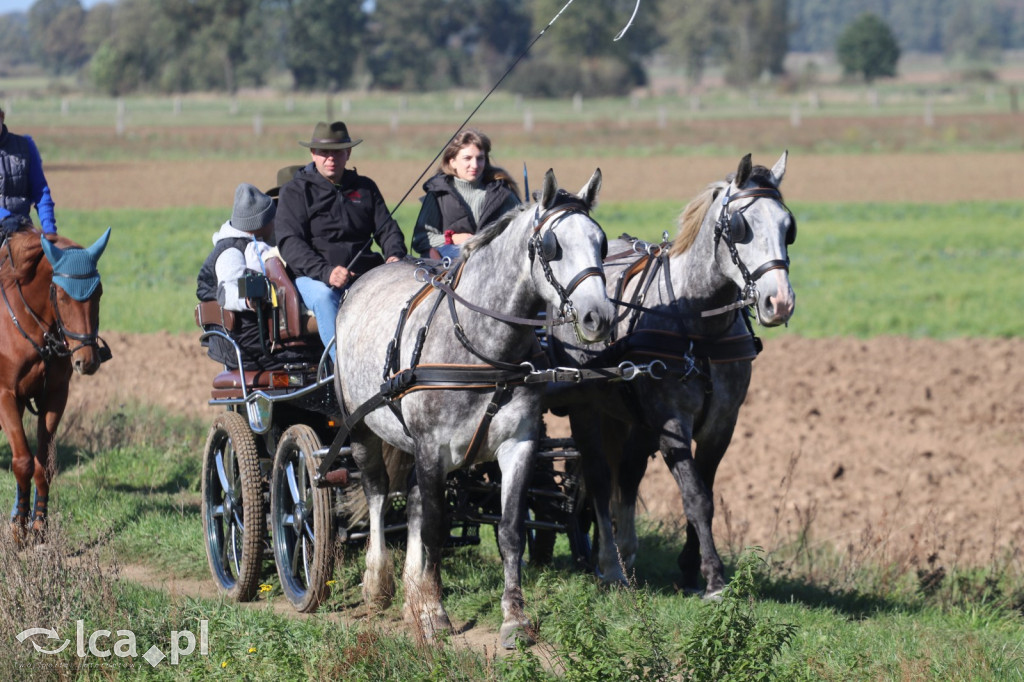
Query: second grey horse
x,y
680,304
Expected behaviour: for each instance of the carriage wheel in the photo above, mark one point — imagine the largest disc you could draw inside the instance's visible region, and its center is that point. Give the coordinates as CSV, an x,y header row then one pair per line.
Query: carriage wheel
x,y
234,516
578,527
302,521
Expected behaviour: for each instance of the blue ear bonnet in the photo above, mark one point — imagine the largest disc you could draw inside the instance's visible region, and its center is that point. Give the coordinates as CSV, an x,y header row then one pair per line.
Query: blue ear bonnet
x,y
74,269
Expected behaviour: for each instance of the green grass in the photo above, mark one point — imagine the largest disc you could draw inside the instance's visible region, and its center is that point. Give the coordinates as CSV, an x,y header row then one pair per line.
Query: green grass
x,y
785,617
862,270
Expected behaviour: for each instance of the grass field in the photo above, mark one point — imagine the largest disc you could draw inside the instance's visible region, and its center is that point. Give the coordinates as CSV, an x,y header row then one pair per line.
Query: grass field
x,y
857,269
129,481
129,489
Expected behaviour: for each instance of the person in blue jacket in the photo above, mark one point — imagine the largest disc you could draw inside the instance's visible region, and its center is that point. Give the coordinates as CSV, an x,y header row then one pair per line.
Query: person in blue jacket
x,y
22,182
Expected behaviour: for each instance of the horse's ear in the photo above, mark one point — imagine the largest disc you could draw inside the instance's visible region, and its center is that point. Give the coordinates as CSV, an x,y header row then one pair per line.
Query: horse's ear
x,y
96,250
52,251
779,169
590,190
743,172
550,191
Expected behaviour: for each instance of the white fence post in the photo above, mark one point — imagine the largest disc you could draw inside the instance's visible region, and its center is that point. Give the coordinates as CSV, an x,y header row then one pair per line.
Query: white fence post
x,y
119,124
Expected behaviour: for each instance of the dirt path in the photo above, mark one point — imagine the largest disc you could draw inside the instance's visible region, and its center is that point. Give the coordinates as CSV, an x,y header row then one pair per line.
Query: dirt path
x,y
879,177
913,442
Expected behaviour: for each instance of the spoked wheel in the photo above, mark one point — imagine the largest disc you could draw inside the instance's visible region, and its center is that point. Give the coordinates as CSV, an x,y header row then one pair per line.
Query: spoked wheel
x,y
301,521
578,527
234,517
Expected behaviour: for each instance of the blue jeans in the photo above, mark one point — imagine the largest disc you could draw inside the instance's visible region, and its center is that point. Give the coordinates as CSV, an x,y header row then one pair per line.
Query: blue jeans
x,y
448,251
324,302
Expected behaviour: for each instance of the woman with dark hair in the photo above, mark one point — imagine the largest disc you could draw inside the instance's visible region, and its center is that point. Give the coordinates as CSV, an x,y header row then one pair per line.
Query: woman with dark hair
x,y
466,193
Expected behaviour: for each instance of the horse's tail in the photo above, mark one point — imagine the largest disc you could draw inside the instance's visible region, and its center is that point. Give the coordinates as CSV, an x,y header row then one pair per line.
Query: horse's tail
x,y
399,465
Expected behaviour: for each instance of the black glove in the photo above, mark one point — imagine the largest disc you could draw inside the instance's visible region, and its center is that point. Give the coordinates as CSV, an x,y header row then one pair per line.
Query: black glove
x,y
13,223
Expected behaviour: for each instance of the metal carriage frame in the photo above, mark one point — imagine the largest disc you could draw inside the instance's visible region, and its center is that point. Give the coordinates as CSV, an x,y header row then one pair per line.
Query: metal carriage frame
x,y
263,501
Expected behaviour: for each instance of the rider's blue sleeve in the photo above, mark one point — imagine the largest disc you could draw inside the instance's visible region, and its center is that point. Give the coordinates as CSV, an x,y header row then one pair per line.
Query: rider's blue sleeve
x,y
39,190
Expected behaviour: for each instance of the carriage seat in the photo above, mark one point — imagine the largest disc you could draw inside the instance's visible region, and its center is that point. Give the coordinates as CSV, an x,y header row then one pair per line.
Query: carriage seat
x,y
290,325
293,320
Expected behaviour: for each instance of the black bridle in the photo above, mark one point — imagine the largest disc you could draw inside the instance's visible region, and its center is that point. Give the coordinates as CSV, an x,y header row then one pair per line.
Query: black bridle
x,y
55,336
725,227
546,246
84,340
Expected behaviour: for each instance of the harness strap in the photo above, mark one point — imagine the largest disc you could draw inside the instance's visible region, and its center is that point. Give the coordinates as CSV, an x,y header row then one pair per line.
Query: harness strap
x,y
666,345
768,266
501,393
454,376
584,274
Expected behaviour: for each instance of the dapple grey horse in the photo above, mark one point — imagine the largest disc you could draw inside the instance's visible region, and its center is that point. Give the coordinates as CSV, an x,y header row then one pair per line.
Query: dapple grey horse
x,y
543,253
680,305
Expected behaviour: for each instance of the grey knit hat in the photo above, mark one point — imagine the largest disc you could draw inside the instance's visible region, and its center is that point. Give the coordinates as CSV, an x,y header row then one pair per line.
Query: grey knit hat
x,y
253,209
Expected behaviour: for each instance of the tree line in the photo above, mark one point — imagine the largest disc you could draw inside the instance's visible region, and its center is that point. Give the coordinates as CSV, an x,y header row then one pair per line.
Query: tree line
x,y
174,46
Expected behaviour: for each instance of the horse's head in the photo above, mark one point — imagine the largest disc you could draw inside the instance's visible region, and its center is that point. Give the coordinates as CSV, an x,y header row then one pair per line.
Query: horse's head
x,y
753,232
567,248
75,297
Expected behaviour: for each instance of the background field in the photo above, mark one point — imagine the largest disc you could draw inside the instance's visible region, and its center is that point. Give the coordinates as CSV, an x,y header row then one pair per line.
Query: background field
x,y
879,444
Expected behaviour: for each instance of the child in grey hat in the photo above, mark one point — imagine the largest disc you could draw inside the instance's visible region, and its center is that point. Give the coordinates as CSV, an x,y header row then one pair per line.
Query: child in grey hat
x,y
238,245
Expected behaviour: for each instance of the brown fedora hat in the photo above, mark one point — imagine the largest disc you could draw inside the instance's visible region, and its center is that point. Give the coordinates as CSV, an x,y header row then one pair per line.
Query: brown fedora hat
x,y
283,175
333,136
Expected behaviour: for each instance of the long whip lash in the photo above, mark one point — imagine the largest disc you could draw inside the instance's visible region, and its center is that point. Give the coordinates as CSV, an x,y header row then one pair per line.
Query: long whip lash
x,y
494,87
477,108
629,23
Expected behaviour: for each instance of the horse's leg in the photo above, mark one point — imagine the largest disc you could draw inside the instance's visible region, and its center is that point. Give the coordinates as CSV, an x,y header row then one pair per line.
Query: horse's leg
x,y
712,435
22,462
597,474
515,457
426,535
49,420
697,504
378,580
635,455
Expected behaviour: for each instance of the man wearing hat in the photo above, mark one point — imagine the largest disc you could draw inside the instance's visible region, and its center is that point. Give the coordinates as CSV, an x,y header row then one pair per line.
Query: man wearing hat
x,y
245,235
328,216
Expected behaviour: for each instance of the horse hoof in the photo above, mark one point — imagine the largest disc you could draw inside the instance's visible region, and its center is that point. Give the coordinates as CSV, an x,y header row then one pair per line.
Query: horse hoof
x,y
377,593
612,579
19,533
713,595
511,633
434,627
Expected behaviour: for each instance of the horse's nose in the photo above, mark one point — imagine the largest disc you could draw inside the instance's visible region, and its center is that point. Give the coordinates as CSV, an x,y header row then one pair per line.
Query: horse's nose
x,y
779,307
85,367
597,323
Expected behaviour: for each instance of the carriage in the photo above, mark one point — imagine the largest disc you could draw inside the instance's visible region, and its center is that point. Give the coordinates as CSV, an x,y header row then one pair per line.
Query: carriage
x,y
669,317
263,500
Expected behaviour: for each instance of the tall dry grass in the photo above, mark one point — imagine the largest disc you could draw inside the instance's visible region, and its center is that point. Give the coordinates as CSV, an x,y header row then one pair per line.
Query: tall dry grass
x,y
50,584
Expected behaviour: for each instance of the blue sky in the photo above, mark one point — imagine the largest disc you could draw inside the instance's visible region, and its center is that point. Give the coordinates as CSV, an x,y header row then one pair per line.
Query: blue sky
x,y
7,6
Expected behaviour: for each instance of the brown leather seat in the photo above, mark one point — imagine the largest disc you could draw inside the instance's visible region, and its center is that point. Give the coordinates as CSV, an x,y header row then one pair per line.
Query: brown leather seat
x,y
294,320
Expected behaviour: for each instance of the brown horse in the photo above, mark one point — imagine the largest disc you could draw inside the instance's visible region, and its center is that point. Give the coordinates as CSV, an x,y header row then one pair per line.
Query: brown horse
x,y
50,291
